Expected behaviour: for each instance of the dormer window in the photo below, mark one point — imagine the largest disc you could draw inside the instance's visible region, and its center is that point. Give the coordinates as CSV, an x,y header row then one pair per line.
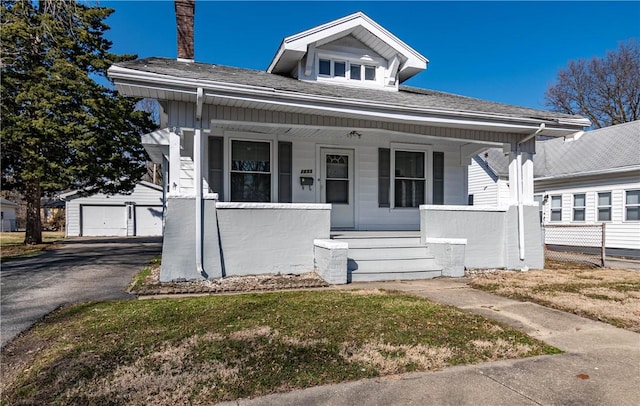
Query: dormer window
x,y
333,68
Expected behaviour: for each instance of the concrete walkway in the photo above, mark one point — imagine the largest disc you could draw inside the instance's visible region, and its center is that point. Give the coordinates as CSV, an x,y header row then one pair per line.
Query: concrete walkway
x,y
600,366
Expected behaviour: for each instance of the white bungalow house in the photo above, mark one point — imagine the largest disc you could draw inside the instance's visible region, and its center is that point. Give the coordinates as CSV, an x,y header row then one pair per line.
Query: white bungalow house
x,y
326,161
589,179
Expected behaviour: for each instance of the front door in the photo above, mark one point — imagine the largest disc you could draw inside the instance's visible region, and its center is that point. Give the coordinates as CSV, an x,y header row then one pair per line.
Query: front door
x,y
337,185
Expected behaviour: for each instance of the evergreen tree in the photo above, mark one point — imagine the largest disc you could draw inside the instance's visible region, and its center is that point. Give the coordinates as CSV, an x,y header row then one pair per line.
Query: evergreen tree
x,y
60,128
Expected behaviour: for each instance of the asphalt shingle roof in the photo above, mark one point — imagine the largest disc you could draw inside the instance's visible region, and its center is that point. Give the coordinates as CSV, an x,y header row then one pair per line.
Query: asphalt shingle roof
x,y
407,96
614,147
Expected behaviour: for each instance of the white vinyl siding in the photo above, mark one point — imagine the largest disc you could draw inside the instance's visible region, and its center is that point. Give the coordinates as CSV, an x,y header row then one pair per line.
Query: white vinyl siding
x,y
620,233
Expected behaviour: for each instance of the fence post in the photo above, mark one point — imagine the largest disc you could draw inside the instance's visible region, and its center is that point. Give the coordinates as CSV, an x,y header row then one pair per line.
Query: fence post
x,y
604,250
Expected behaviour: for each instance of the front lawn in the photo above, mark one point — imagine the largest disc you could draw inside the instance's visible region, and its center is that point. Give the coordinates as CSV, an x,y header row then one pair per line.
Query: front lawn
x,y
11,244
213,348
609,295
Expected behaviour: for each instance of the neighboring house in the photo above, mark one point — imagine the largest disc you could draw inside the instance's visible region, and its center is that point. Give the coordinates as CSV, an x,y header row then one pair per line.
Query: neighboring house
x,y
8,215
136,214
590,179
322,160
52,213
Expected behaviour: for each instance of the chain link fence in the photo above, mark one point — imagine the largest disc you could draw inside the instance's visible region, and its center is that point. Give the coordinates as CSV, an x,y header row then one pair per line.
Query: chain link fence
x,y
580,243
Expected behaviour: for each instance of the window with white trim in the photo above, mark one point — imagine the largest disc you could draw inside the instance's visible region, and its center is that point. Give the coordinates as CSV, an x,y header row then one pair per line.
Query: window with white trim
x,y
579,206
604,206
250,171
347,70
632,205
410,178
556,208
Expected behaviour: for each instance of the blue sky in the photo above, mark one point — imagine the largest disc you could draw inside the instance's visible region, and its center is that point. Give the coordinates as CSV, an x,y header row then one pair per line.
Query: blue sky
x,y
507,52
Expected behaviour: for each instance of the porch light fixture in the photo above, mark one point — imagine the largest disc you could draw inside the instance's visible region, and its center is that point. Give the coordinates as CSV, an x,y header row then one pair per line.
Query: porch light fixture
x,y
354,133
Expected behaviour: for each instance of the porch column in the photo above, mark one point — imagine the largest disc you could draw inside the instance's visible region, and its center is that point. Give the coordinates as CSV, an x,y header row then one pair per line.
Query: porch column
x,y
527,178
174,162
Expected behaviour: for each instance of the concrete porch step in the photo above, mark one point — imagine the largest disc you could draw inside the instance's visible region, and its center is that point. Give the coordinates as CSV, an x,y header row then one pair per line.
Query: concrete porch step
x,y
389,252
392,276
391,265
374,242
381,256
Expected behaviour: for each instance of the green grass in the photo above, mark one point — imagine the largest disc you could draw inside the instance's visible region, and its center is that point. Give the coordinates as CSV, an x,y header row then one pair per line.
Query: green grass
x,y
12,244
216,348
145,274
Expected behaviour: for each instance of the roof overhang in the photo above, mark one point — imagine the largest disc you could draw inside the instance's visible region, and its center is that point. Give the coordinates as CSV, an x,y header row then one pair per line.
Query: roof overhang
x,y
136,83
156,144
293,48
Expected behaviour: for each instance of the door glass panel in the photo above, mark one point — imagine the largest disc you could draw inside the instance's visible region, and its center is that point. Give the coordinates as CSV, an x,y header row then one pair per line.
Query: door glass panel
x,y
337,167
338,191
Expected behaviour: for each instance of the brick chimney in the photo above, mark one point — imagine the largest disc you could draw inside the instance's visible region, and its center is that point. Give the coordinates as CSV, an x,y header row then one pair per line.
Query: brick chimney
x,y
184,20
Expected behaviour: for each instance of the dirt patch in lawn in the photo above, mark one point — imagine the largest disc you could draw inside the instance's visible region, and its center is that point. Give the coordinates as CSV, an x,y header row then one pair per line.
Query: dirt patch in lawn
x,y
609,295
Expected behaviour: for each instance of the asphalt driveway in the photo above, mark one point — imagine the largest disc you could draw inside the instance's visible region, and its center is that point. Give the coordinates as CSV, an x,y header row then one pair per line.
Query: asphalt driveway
x,y
81,270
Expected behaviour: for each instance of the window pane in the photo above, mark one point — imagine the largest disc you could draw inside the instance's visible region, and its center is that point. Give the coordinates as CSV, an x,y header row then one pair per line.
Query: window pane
x,y
578,200
369,72
409,193
250,187
604,199
338,166
248,156
325,67
339,69
578,215
409,164
355,72
604,214
556,201
337,191
633,197
633,213
556,215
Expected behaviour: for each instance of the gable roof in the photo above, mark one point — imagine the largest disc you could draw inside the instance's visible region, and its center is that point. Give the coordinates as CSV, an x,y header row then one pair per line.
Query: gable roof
x,y
609,149
360,26
75,194
8,203
166,74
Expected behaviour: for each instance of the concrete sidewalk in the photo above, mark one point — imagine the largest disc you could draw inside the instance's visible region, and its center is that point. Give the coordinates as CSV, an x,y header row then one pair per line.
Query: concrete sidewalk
x,y
600,366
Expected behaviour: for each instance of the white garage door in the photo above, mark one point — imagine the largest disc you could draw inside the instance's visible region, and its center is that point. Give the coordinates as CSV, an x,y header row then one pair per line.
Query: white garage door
x,y
148,220
98,221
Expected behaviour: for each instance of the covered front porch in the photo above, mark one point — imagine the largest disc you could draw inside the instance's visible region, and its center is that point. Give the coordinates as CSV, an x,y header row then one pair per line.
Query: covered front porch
x,y
258,238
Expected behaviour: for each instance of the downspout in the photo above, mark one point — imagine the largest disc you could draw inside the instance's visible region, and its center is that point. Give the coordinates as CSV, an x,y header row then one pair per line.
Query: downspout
x,y
197,156
519,192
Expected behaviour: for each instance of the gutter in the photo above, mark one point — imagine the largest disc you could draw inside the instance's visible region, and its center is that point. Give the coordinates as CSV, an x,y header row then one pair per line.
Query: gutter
x,y
589,173
197,157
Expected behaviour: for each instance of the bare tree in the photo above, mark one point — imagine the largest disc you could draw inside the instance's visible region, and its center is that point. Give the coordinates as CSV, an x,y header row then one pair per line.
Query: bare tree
x,y
605,90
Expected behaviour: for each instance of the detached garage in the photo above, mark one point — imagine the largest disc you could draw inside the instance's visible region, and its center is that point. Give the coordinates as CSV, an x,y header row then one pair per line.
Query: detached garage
x,y
136,214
